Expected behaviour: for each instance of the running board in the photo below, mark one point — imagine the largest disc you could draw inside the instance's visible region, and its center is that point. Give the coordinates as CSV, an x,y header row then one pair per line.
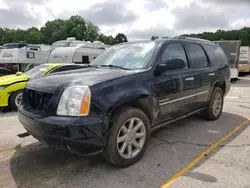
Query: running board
x,y
157,126
22,135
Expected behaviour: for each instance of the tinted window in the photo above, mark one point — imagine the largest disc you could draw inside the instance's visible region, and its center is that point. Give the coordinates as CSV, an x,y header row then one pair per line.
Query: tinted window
x,y
217,55
66,68
174,51
197,56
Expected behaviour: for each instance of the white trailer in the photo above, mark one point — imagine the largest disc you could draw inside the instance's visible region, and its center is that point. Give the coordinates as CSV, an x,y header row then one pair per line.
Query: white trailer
x,y
232,50
244,61
30,54
83,53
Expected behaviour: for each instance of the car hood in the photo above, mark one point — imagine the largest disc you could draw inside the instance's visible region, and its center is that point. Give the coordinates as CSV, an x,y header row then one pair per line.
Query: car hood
x,y
11,79
84,77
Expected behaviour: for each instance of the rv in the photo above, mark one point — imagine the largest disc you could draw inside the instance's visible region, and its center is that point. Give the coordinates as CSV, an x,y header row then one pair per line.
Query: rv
x,y
83,53
244,61
21,57
72,42
14,45
232,50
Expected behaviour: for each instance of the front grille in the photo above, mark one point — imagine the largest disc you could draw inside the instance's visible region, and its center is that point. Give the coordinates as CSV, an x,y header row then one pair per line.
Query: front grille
x,y
36,102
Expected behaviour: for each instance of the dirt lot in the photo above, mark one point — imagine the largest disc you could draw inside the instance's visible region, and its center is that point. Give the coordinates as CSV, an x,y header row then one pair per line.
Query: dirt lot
x,y
27,163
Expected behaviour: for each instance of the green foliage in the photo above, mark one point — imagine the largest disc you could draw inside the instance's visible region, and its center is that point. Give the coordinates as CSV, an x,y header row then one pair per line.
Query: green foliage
x,y
60,29
242,34
154,37
120,38
106,39
92,32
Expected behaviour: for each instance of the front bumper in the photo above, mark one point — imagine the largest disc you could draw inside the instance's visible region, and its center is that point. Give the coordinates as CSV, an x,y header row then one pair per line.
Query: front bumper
x,y
4,97
81,135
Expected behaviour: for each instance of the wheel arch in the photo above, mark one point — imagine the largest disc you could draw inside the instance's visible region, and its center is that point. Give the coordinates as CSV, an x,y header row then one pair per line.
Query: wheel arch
x,y
222,85
143,102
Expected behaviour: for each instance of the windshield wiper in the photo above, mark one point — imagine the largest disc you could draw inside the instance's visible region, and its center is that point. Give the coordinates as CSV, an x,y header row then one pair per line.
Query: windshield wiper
x,y
93,66
115,66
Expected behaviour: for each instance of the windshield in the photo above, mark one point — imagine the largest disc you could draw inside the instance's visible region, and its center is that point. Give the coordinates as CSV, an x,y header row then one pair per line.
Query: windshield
x,y
10,46
127,56
36,71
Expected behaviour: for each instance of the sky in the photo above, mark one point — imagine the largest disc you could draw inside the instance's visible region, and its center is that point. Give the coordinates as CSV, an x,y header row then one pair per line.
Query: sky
x,y
137,19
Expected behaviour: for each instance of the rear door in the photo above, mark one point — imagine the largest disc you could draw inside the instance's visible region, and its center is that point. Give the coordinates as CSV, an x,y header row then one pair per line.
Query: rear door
x,y
176,88
203,73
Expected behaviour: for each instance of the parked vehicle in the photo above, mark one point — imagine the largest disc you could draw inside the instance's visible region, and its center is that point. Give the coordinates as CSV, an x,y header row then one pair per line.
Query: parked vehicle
x,y
83,54
72,42
6,69
28,54
14,45
127,91
232,50
244,62
11,86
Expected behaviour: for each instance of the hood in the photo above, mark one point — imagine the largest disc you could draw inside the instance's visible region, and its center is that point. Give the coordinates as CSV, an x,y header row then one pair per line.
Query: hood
x,y
11,79
84,77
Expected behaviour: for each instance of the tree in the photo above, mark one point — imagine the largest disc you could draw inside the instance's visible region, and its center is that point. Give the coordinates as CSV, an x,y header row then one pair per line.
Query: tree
x,y
53,31
76,27
33,35
92,32
154,37
120,38
106,39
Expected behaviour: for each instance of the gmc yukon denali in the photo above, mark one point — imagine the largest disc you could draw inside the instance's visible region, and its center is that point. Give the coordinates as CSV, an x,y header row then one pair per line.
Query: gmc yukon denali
x,y
113,104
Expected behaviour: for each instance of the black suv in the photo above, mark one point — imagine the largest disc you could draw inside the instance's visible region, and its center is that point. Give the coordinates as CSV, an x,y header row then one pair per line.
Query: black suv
x,y
112,105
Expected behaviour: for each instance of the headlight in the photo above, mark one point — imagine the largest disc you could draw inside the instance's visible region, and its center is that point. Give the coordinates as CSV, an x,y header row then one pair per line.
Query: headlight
x,y
75,101
2,87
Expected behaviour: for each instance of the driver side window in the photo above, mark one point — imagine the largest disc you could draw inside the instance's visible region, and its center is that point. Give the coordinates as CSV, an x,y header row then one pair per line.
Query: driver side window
x,y
174,51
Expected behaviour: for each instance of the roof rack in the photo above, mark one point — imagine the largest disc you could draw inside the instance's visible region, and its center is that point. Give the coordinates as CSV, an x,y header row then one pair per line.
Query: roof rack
x,y
192,38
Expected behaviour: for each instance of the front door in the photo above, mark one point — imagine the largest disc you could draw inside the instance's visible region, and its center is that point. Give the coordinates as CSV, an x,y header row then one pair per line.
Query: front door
x,y
175,89
203,73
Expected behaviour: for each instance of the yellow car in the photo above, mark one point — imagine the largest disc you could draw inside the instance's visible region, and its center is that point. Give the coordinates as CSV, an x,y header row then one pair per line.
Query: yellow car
x,y
11,86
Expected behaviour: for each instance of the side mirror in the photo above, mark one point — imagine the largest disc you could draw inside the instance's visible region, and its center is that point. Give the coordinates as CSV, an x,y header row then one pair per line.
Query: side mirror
x,y
19,73
171,64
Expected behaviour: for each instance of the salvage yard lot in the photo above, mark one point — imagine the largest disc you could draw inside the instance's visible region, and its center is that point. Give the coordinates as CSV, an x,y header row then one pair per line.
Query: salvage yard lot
x,y
28,163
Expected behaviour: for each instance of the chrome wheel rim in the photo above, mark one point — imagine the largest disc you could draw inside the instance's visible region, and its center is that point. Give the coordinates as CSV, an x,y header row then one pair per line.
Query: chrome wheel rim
x,y
131,138
18,99
217,104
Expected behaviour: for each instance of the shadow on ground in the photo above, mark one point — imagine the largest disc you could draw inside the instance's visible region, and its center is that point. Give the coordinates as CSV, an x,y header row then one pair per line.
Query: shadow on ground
x,y
170,149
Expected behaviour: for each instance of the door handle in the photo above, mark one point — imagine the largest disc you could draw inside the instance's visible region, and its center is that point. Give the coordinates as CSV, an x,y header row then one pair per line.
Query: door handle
x,y
189,78
211,74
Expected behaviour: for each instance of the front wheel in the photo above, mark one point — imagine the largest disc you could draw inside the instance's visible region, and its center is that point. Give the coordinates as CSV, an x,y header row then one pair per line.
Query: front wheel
x,y
128,138
15,99
215,105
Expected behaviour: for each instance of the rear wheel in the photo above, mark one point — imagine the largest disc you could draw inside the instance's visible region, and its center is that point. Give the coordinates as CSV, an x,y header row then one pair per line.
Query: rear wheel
x,y
128,138
215,105
15,99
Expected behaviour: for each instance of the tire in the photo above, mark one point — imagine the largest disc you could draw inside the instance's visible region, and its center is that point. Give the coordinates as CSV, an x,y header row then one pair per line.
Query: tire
x,y
14,98
113,150
210,113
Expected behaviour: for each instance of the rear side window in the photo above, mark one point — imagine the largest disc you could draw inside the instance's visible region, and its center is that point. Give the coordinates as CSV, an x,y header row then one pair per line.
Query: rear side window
x,y
65,68
217,55
175,51
197,56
